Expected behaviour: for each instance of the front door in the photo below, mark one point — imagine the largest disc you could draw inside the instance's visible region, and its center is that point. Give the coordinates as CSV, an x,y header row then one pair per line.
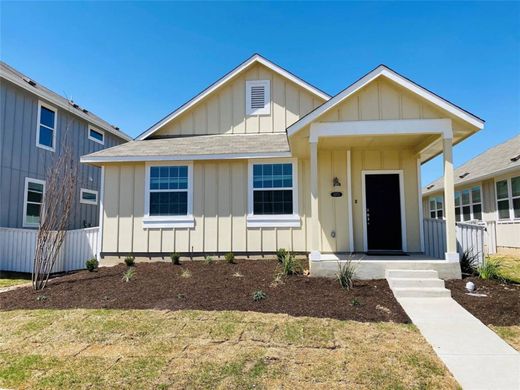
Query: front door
x,y
383,212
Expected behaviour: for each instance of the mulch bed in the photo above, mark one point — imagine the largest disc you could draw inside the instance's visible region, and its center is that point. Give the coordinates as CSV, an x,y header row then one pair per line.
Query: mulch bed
x,y
159,285
500,306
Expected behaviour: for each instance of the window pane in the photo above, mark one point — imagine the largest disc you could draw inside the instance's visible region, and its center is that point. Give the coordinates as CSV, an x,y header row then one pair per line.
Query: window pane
x,y
439,202
35,187
465,197
502,189
516,207
89,196
45,136
439,214
515,186
96,134
466,213
272,175
503,209
432,214
475,194
47,117
169,203
457,198
477,211
33,213
432,204
457,214
273,202
35,197
169,178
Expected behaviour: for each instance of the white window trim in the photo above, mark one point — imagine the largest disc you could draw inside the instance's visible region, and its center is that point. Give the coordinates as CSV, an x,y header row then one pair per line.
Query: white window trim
x,y
168,221
84,201
26,188
436,209
273,220
54,131
90,127
266,110
471,203
510,198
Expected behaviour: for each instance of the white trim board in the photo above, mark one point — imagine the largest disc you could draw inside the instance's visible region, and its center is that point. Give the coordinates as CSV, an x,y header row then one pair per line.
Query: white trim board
x,y
383,70
257,58
404,239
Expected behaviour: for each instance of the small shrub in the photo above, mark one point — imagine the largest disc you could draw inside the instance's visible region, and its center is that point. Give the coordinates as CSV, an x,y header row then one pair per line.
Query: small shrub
x,y
176,258
291,266
259,295
281,253
238,275
230,258
92,264
208,260
355,302
489,269
41,298
130,261
469,262
345,274
277,281
186,273
129,274
181,296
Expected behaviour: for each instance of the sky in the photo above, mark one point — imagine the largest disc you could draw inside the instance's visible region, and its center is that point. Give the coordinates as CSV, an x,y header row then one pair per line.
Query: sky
x,y
132,63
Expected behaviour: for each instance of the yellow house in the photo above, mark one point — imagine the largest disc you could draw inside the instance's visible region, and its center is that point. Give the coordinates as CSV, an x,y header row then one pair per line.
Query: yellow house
x,y
262,160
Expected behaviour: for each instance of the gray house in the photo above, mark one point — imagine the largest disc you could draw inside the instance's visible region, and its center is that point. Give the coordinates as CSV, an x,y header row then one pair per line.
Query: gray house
x,y
33,124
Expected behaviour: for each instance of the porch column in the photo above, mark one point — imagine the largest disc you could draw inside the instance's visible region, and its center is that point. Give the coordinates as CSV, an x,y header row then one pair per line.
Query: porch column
x,y
449,201
315,222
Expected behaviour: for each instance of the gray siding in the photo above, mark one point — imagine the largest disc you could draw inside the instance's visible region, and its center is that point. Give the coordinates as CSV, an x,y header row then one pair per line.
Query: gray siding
x,y
21,158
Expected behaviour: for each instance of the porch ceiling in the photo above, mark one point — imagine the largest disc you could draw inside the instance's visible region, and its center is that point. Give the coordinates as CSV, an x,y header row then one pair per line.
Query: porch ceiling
x,y
408,141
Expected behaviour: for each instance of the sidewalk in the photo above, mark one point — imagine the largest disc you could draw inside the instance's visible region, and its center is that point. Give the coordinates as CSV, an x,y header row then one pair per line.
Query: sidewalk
x,y
475,355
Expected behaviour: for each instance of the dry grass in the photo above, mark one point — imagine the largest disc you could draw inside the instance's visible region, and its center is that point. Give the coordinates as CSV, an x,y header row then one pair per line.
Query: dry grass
x,y
511,334
9,282
510,267
195,349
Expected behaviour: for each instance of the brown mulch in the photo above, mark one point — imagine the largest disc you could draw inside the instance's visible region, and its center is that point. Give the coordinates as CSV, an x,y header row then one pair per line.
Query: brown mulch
x,y
500,306
159,285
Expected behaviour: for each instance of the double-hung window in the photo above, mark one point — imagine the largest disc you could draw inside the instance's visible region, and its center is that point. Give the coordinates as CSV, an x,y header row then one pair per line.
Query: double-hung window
x,y
468,204
46,130
33,201
169,195
436,207
508,198
273,196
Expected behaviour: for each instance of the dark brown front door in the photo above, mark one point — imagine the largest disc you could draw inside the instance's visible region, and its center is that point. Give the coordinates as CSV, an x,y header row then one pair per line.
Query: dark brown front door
x,y
383,212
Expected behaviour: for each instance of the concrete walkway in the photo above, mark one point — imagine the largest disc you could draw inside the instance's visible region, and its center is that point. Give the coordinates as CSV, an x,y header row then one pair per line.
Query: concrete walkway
x,y
475,355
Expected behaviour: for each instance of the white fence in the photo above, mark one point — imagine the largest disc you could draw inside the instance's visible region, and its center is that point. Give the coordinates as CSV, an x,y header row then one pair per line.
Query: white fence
x,y
470,237
17,247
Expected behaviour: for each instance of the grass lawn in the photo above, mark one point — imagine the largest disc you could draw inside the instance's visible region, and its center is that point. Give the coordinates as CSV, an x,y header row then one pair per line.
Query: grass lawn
x,y
511,334
9,279
82,348
510,267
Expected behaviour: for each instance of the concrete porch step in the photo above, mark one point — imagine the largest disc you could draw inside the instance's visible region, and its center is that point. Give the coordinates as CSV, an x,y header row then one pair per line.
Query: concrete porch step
x,y
415,282
421,292
412,273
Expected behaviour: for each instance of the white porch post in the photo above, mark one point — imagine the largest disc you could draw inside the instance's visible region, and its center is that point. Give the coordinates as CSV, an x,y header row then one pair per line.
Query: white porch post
x,y
449,201
315,222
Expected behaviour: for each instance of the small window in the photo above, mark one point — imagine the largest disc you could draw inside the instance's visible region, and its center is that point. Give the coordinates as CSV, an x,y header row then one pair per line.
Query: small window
x,y
468,205
436,207
258,97
96,135
502,199
168,190
33,201
46,131
88,196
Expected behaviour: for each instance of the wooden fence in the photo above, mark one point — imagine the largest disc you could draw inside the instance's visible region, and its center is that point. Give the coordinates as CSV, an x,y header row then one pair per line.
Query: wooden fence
x,y
470,237
17,247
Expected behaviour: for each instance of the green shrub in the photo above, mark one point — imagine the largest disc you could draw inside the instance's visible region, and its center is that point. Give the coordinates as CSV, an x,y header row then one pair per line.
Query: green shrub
x,y
489,269
176,258
469,262
281,253
259,295
291,266
345,274
92,264
230,258
208,260
129,274
130,261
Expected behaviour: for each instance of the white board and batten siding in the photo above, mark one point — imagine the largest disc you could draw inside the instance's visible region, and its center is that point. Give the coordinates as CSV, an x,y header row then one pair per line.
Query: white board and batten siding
x,y
17,249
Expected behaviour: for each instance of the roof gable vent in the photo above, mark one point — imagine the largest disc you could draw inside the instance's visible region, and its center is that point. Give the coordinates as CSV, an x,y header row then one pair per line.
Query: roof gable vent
x,y
258,97
516,158
464,175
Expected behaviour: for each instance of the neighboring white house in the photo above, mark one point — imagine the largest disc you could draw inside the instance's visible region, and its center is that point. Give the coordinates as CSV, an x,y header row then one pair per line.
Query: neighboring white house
x,y
487,188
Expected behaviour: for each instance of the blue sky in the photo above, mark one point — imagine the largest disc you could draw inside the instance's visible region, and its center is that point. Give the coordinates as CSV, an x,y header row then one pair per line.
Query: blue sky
x,y
133,62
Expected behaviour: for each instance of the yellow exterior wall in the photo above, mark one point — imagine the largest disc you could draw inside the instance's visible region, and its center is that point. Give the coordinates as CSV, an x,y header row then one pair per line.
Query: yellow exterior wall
x,y
224,110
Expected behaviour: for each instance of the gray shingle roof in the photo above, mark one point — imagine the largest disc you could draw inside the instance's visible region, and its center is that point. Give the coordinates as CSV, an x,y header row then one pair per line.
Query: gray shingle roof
x,y
13,75
486,164
201,145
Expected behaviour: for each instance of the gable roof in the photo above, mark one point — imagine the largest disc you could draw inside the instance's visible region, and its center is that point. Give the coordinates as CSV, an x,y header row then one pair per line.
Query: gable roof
x,y
383,70
256,58
493,162
9,73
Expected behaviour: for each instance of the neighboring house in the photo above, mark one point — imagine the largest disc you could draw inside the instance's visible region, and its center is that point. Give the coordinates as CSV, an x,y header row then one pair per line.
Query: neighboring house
x,y
262,160
33,123
487,188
